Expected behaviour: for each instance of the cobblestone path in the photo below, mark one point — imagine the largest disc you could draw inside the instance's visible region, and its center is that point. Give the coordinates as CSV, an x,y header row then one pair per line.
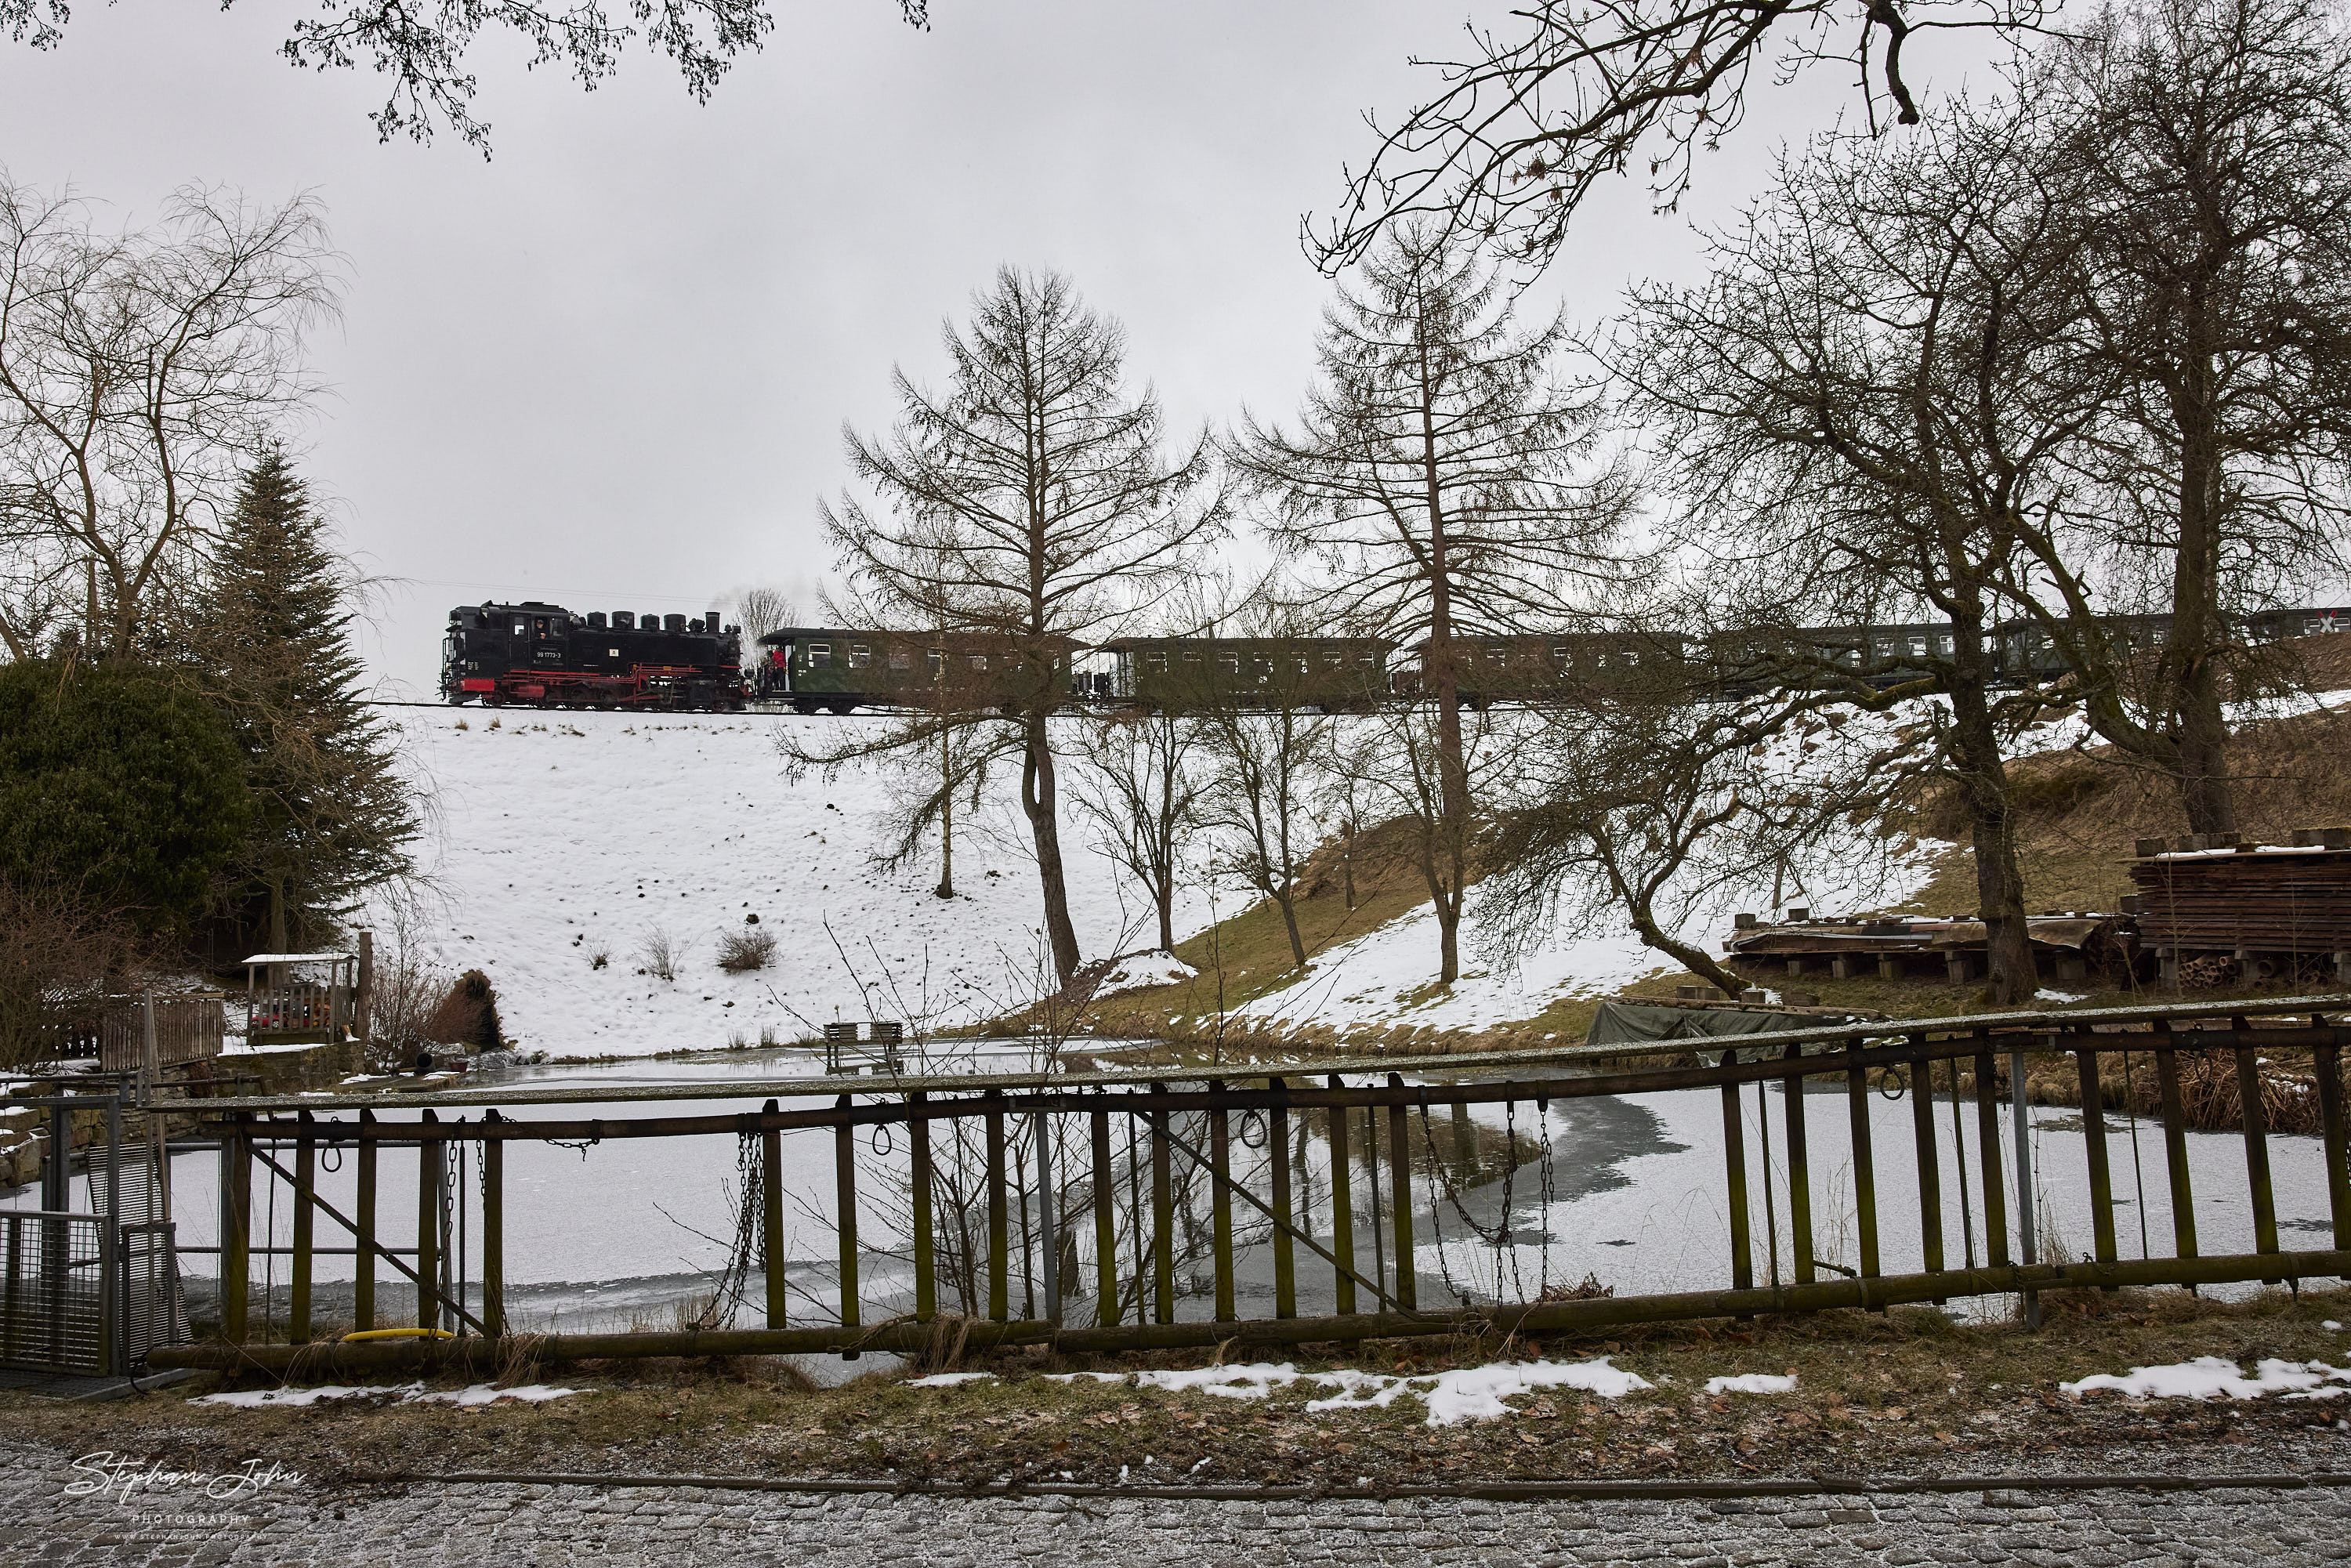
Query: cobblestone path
x,y
293,1521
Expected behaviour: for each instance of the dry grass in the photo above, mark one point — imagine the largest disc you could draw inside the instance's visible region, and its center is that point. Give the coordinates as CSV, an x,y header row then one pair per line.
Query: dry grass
x,y
1875,1393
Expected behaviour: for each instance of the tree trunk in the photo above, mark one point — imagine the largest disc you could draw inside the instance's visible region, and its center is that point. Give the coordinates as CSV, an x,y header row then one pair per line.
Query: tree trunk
x,y
2198,636
1038,799
1166,896
1983,779
1347,862
1452,770
1287,900
946,817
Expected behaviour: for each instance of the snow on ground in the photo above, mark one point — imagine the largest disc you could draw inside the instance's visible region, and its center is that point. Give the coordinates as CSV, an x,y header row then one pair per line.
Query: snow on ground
x,y
1463,1394
407,1394
2211,1377
1139,971
557,837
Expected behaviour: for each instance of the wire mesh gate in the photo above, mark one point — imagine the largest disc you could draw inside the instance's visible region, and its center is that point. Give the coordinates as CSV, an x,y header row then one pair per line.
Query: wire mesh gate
x,y
1003,1176
92,1291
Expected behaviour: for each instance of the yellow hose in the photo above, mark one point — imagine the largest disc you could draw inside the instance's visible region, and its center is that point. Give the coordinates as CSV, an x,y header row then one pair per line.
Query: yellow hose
x,y
397,1333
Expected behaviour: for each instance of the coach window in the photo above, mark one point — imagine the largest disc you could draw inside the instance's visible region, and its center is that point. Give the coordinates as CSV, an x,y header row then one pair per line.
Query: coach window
x,y
1191,655
1229,663
938,662
1155,663
859,656
979,660
900,659
819,655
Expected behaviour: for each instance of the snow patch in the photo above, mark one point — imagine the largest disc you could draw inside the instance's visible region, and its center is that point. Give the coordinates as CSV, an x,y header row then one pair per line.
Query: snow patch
x,y
409,1394
1140,971
950,1379
2212,1377
1752,1383
1251,1381
1478,1393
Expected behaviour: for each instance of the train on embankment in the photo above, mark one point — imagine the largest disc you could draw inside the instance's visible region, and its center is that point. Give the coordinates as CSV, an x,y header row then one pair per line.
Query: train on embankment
x,y
543,656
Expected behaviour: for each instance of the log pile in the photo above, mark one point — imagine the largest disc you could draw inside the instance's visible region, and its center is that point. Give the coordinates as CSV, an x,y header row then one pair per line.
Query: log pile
x,y
2268,905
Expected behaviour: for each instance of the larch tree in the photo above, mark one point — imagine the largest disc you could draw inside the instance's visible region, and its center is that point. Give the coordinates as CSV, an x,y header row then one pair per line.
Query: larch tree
x,y
269,639
1441,485
1024,508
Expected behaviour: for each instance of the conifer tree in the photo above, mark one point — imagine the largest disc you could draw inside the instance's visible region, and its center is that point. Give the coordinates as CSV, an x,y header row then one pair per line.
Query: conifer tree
x,y
271,641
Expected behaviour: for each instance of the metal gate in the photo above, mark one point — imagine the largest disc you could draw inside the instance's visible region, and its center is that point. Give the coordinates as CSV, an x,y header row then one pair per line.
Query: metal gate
x,y
93,1292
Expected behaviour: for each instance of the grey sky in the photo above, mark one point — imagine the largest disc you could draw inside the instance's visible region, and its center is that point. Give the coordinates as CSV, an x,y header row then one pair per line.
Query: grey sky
x,y
610,367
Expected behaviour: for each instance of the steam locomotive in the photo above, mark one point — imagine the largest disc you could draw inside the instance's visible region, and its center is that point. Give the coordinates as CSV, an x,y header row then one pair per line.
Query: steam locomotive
x,y
542,655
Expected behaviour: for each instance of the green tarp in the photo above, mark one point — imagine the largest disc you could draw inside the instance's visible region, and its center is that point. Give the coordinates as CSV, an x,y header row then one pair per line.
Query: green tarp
x,y
1631,1023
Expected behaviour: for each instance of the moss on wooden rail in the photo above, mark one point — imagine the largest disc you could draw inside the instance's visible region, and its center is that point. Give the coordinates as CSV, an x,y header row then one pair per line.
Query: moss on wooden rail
x,y
910,1336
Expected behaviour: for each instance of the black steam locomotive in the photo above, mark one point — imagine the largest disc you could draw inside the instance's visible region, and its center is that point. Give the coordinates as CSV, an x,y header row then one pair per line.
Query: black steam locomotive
x,y
543,656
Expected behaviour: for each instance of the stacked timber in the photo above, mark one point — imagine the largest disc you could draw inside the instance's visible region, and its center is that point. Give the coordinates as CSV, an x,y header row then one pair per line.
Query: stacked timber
x,y
2274,909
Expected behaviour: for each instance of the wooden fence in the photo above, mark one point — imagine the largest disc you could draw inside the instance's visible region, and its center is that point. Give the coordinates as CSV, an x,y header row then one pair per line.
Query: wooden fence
x,y
1379,1128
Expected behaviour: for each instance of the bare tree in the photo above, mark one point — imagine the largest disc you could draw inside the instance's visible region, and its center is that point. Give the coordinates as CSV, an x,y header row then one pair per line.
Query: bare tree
x,y
1651,796
1858,415
759,610
1142,788
2208,153
1264,743
1030,504
1442,479
140,374
422,49
1568,92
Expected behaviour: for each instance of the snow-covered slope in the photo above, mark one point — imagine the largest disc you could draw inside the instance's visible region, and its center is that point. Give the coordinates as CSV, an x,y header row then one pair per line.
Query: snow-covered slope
x,y
558,837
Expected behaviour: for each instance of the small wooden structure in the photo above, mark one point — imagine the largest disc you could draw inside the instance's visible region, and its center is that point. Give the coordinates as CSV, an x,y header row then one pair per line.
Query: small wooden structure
x,y
301,998
2275,910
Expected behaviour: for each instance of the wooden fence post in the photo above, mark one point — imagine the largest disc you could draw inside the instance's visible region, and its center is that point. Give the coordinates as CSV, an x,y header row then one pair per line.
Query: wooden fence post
x,y
1865,1170
429,1153
844,1161
236,1223
1988,1159
999,1235
306,1184
1163,1219
493,1231
918,1148
771,1221
2093,1145
363,1227
1400,1174
1342,1207
1285,1272
1931,1167
1799,1174
1220,1205
1106,1308
1734,1161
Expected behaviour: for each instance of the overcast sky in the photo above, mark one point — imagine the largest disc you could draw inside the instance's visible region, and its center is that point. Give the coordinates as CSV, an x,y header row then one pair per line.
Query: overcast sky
x,y
609,367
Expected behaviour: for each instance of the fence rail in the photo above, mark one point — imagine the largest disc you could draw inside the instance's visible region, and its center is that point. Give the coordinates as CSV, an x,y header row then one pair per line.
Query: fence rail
x,y
1005,1178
